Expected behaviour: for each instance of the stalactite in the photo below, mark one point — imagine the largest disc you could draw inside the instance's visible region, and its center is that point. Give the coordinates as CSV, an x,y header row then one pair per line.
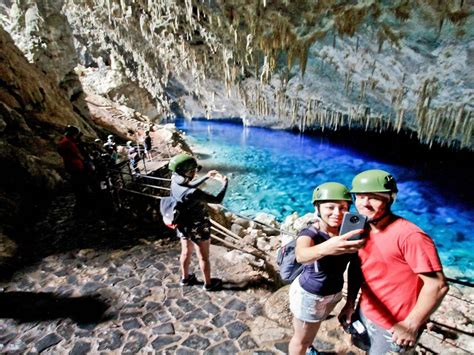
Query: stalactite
x,y
347,80
400,115
468,130
362,90
367,122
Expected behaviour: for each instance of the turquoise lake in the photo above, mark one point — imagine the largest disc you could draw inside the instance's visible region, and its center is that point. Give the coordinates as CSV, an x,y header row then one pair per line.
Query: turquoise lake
x,y
276,171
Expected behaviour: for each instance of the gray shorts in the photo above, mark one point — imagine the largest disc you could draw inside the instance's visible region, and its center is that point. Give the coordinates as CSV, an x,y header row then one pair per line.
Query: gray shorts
x,y
381,339
309,307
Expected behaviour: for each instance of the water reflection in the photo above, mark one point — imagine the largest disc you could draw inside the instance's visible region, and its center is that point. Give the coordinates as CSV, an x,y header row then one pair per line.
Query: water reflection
x,y
276,171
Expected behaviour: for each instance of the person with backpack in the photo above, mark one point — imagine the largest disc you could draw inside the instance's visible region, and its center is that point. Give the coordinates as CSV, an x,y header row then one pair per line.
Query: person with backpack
x,y
192,221
325,256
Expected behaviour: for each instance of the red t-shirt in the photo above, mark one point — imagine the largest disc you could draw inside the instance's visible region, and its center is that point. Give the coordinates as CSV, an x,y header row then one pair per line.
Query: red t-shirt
x,y
67,148
390,262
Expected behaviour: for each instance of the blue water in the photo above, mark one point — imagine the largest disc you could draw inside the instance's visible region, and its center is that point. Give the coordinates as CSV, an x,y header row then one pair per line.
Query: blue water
x,y
276,171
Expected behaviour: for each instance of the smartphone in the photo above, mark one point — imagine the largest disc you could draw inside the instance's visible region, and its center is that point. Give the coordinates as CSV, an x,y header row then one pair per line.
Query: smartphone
x,y
352,221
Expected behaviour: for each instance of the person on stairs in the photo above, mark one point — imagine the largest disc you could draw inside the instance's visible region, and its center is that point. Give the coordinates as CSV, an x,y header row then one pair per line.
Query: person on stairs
x,y
75,167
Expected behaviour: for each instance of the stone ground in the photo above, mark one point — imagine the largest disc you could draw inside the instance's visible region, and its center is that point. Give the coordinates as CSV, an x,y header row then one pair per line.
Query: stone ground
x,y
101,283
92,285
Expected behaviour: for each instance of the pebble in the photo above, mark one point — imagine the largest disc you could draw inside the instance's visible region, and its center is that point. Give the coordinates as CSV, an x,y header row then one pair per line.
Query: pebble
x,y
196,342
47,342
80,348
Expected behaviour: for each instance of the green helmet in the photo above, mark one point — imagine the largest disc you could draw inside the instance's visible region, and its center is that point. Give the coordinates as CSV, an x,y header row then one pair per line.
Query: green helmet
x,y
331,191
374,181
182,163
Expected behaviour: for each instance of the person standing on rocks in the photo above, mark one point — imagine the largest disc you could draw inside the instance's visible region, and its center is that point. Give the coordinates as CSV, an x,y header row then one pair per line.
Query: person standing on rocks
x,y
193,224
403,280
74,165
325,255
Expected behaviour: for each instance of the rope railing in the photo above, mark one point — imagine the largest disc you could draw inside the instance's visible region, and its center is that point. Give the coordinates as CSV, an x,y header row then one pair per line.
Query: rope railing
x,y
460,282
140,193
153,186
460,298
454,329
140,175
441,339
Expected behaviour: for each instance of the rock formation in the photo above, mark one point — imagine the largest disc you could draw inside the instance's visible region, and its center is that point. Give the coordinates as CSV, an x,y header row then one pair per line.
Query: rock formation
x,y
402,65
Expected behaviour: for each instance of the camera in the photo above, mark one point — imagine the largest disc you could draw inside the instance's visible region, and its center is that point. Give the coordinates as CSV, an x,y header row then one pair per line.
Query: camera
x,y
354,219
351,222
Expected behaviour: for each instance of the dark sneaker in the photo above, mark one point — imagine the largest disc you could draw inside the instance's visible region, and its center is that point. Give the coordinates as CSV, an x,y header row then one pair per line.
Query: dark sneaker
x,y
190,280
214,285
311,351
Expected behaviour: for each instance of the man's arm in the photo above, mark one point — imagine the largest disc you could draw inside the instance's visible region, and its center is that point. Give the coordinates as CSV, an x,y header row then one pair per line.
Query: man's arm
x,y
354,277
432,292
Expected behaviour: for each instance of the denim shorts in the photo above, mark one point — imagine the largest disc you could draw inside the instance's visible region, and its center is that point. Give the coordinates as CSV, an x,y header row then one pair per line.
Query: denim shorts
x,y
309,307
381,339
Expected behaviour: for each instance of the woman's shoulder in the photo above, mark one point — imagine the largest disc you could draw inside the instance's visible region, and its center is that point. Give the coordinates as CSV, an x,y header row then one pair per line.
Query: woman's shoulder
x,y
309,231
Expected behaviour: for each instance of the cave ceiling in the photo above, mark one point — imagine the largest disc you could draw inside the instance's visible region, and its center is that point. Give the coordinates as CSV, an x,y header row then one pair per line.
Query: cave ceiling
x,y
403,65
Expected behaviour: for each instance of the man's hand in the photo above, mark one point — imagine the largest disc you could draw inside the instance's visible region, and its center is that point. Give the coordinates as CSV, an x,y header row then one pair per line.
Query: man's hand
x,y
346,313
404,334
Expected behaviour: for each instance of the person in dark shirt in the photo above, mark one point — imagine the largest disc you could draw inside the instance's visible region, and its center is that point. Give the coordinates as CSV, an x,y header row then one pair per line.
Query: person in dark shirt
x,y
148,145
325,255
193,224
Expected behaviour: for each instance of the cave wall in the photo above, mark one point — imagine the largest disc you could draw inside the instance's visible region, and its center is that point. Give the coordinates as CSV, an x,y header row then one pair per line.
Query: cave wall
x,y
33,114
311,64
373,65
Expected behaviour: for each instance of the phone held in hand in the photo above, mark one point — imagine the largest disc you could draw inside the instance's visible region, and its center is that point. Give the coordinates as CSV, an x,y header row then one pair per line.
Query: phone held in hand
x,y
352,221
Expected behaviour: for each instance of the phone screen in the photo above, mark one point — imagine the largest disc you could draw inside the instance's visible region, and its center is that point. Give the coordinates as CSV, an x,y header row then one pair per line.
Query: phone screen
x,y
352,221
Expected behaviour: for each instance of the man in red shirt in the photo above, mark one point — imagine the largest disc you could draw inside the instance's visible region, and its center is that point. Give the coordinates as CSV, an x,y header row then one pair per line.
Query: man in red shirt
x,y
402,277
74,165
